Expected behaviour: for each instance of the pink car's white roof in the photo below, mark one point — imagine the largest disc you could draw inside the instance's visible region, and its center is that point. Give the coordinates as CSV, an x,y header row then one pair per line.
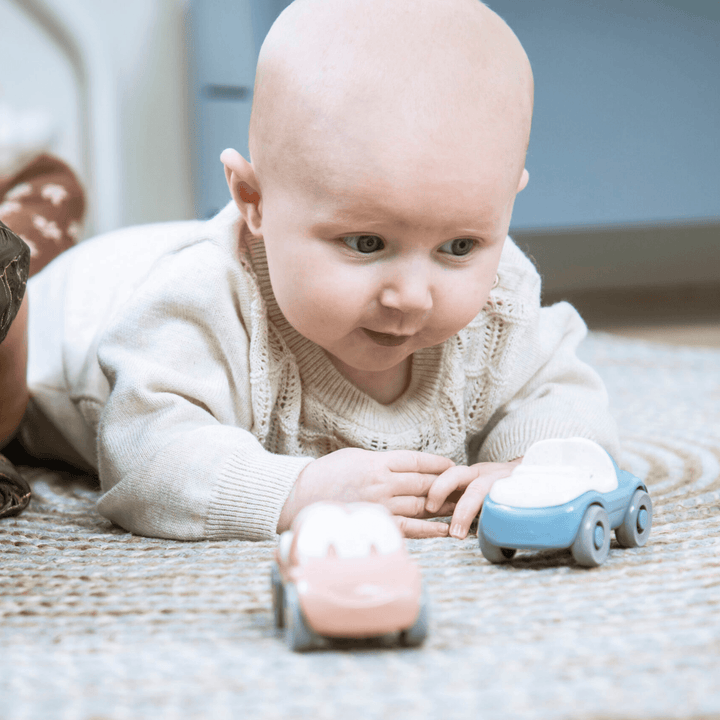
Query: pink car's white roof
x,y
352,529
554,472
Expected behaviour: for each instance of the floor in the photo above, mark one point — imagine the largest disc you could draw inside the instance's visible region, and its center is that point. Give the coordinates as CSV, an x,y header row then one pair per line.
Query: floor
x,y
684,315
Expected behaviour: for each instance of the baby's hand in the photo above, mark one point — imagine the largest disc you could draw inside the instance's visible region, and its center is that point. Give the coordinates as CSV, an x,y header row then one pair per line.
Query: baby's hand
x,y
399,479
474,483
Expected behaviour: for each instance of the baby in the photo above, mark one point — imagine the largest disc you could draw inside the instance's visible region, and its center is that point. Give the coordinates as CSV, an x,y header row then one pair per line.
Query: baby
x,y
354,325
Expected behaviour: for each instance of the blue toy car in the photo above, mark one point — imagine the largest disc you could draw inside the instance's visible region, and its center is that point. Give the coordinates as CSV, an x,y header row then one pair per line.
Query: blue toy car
x,y
565,494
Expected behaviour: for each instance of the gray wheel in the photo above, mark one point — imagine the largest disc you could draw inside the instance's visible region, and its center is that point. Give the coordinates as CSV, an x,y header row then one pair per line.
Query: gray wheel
x,y
299,636
415,635
277,595
636,525
592,543
493,553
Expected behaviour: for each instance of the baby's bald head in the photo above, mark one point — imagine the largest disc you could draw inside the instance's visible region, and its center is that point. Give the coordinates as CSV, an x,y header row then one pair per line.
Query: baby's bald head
x,y
421,83
388,142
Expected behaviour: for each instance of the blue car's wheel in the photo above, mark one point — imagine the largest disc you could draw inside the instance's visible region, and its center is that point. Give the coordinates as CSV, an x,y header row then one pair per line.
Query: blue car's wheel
x,y
299,636
278,600
592,542
636,525
493,553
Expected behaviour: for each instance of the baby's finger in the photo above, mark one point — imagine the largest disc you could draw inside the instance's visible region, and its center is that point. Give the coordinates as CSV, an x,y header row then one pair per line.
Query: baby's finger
x,y
446,510
414,461
412,483
414,528
467,508
414,507
456,478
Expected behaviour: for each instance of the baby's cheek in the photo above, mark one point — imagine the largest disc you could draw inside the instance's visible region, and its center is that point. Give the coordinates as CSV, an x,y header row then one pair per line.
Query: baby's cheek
x,y
320,306
462,305
338,293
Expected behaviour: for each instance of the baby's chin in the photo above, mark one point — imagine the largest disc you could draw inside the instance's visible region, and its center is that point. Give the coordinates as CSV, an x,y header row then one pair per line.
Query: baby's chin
x,y
380,354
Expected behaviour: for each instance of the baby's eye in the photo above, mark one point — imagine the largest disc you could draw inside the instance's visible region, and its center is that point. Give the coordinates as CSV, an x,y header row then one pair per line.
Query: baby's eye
x,y
364,243
458,247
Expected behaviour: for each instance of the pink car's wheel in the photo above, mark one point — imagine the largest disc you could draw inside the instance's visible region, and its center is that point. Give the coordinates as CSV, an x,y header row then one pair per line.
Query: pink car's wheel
x,y
277,596
415,635
299,636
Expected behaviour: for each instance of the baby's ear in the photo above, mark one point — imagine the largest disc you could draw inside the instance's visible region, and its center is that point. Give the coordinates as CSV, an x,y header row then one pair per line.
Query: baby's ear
x,y
243,186
523,180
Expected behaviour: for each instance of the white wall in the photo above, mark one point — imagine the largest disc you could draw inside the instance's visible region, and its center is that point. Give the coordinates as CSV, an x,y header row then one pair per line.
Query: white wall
x,y
114,77
35,75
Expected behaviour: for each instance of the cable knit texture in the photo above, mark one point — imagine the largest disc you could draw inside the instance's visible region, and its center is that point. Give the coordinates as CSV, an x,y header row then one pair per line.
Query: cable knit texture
x,y
206,404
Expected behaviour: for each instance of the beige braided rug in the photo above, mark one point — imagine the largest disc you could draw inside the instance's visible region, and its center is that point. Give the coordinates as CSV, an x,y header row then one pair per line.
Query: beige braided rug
x,y
99,624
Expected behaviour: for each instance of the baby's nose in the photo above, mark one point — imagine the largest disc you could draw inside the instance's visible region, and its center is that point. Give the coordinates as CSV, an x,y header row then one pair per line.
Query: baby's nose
x,y
408,291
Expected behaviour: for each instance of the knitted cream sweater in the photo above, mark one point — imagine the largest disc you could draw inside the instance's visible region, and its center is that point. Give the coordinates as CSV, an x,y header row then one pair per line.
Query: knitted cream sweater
x,y
184,385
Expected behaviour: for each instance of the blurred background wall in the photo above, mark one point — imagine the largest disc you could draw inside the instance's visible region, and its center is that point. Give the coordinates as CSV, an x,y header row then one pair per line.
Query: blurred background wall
x,y
110,81
624,189
143,95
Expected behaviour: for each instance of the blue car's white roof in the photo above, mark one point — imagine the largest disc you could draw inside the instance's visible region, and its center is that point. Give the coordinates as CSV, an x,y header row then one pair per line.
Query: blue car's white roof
x,y
554,472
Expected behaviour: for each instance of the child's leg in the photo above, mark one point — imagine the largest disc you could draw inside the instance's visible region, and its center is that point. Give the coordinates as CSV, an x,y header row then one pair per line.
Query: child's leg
x,y
41,206
14,264
14,490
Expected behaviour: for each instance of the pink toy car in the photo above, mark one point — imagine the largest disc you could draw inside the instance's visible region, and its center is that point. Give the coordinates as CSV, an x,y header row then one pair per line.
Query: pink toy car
x,y
342,571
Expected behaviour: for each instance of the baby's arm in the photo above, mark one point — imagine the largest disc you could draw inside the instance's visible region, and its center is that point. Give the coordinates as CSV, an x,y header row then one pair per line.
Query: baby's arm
x,y
551,395
176,454
537,387
177,451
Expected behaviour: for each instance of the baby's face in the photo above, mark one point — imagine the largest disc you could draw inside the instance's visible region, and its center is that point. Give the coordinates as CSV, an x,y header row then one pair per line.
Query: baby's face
x,y
388,140
375,256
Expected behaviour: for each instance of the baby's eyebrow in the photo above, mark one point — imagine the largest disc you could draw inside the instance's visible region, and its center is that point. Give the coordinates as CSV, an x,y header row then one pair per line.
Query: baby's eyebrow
x,y
363,224
359,224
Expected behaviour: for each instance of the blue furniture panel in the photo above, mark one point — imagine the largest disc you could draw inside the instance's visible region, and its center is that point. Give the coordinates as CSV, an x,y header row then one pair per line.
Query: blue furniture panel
x,y
626,106
225,39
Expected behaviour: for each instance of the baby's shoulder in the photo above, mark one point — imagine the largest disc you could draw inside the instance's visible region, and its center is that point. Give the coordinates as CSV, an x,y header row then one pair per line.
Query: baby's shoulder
x,y
189,263
511,310
517,274
515,296
176,257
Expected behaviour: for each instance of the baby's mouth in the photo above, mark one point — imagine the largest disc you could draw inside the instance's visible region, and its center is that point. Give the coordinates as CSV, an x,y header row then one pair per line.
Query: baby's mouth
x,y
386,339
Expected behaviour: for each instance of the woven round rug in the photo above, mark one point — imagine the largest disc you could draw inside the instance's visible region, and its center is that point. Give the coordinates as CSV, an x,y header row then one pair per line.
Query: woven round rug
x,y
99,624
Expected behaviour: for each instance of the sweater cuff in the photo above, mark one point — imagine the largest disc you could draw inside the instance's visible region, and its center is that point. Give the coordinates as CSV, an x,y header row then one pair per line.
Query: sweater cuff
x,y
251,491
512,442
